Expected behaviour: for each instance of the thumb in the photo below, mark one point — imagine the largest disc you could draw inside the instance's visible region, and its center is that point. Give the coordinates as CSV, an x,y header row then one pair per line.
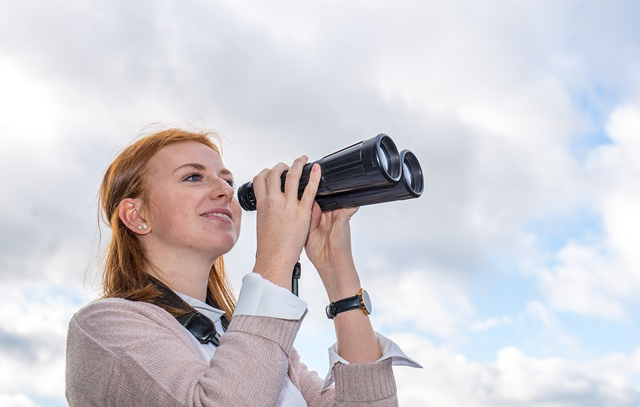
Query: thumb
x,y
346,213
316,216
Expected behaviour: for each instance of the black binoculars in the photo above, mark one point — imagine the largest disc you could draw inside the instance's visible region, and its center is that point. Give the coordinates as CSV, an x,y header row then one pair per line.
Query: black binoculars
x,y
368,172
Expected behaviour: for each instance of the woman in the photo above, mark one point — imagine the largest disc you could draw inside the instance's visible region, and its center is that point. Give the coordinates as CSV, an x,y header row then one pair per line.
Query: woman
x,y
170,203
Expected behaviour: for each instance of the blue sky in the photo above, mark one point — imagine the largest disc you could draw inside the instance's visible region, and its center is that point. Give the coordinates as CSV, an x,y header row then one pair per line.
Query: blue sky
x,y
513,280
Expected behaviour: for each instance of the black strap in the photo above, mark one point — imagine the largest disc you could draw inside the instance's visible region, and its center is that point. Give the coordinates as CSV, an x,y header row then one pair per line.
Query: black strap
x,y
345,304
201,327
297,269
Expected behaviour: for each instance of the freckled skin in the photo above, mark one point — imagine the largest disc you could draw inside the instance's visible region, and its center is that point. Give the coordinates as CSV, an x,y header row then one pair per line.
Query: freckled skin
x,y
177,200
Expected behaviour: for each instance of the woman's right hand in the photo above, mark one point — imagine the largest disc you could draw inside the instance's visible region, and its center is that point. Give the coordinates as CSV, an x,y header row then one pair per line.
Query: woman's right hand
x,y
283,221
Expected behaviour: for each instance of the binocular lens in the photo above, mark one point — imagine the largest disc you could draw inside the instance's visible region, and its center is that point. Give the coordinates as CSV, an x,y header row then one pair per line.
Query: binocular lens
x,y
383,156
412,173
388,157
408,174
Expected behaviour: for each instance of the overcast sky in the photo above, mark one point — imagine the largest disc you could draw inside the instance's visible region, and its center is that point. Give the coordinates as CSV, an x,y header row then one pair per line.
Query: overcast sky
x,y
513,280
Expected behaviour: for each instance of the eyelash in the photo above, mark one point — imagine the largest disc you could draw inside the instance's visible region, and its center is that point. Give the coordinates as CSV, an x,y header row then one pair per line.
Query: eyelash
x,y
200,175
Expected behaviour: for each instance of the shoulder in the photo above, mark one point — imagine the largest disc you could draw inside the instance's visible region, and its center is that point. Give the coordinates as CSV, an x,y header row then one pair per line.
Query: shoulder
x,y
111,308
113,340
119,323
121,312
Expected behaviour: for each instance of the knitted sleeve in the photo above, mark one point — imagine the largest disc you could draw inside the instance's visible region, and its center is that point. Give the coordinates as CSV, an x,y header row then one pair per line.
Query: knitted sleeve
x,y
124,353
366,384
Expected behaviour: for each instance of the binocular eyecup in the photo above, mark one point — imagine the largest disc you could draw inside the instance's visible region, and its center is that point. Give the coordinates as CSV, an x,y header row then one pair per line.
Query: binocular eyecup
x,y
368,172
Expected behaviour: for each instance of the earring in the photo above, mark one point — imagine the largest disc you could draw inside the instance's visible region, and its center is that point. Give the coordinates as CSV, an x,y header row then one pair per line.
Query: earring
x,y
143,227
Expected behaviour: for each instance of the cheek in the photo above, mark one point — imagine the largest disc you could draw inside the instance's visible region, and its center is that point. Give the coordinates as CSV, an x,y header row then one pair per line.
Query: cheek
x,y
237,216
168,215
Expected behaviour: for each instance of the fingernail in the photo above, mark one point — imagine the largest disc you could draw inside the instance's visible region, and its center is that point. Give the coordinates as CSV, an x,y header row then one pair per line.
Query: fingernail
x,y
316,168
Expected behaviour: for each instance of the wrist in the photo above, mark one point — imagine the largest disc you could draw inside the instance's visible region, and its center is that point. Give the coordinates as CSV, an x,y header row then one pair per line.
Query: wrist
x,y
328,266
275,273
340,282
359,301
343,290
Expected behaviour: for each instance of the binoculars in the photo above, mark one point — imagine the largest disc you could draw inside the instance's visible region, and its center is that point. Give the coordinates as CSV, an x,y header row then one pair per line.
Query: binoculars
x,y
368,172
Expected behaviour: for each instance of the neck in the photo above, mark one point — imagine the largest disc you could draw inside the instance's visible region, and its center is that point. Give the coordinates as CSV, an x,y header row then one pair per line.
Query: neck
x,y
184,272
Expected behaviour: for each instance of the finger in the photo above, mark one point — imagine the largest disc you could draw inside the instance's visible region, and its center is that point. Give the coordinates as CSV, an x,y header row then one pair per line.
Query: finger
x,y
260,185
308,198
274,178
293,178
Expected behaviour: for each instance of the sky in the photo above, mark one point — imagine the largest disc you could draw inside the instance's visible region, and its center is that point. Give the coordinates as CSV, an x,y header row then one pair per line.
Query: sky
x,y
513,280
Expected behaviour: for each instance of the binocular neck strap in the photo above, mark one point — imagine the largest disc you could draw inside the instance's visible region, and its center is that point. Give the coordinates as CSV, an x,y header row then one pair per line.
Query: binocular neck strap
x,y
201,327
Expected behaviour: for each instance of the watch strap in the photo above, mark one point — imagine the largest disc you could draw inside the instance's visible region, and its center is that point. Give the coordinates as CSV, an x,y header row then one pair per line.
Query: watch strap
x,y
345,304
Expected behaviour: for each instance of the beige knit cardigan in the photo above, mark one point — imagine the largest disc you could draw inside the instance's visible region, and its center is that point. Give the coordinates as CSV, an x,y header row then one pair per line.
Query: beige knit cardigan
x,y
126,353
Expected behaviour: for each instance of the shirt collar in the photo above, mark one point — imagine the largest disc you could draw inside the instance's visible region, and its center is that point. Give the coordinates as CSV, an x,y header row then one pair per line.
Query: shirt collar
x,y
207,310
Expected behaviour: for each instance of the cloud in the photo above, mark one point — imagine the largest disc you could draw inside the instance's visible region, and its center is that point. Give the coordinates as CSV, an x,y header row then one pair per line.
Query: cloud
x,y
513,379
16,400
585,282
33,337
600,278
619,161
427,300
490,323
492,97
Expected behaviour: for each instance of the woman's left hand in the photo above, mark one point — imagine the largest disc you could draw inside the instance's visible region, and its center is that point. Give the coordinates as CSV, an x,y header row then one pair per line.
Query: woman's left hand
x,y
328,246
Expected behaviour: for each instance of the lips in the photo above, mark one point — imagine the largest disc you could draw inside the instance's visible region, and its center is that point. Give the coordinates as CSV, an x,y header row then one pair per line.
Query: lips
x,y
218,213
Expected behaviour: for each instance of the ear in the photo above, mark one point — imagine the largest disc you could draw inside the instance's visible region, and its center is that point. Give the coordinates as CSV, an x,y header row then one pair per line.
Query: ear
x,y
130,213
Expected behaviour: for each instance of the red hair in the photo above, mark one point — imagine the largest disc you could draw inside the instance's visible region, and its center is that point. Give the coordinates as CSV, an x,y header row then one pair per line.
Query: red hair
x,y
124,275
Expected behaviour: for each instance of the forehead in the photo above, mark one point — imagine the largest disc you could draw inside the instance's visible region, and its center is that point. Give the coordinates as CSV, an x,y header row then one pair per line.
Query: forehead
x,y
174,155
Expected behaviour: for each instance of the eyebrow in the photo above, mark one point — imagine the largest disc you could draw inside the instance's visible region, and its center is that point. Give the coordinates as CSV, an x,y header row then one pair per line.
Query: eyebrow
x,y
201,167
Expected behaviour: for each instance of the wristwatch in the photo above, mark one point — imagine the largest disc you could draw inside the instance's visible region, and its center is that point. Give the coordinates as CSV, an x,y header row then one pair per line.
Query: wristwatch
x,y
360,300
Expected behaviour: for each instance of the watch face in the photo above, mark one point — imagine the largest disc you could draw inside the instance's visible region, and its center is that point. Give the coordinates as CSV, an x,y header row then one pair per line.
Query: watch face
x,y
366,301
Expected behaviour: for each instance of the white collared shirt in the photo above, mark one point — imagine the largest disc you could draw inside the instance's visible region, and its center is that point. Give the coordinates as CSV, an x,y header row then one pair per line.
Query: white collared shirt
x,y
260,297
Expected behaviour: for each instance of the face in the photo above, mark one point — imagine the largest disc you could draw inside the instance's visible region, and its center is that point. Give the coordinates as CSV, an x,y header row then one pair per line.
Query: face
x,y
190,200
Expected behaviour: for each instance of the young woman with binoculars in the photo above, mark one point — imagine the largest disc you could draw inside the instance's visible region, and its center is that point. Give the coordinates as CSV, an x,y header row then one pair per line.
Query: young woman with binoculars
x,y
168,330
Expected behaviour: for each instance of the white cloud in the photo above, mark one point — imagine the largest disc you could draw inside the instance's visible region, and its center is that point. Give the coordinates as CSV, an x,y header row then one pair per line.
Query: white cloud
x,y
426,300
489,95
490,323
513,379
622,198
600,278
23,95
16,400
584,282
33,338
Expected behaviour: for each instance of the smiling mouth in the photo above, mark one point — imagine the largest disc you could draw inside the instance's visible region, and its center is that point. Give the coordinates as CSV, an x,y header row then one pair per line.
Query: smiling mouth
x,y
217,215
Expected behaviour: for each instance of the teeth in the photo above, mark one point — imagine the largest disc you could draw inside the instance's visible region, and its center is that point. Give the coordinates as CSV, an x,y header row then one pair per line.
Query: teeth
x,y
220,215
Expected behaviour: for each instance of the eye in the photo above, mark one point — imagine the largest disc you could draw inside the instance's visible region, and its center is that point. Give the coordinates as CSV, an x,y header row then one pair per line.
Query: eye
x,y
196,176
231,183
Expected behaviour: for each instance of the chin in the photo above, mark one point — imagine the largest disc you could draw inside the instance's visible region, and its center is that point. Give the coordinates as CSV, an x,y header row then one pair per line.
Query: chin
x,y
222,246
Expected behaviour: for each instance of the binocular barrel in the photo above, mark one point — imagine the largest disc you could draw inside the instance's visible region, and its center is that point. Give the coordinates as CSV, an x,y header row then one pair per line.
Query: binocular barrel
x,y
411,185
365,173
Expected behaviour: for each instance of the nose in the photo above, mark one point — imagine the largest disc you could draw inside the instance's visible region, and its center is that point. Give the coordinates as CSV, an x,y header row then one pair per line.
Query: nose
x,y
222,189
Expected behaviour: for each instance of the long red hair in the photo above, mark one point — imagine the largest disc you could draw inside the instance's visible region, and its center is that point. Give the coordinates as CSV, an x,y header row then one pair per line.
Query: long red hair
x,y
124,275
